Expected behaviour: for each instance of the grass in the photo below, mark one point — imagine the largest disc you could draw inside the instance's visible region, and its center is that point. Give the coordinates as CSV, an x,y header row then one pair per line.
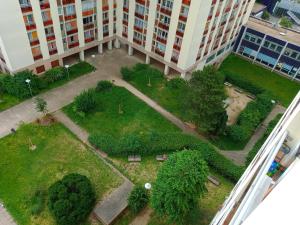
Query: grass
x,y
170,98
136,116
58,152
282,88
75,71
146,171
224,142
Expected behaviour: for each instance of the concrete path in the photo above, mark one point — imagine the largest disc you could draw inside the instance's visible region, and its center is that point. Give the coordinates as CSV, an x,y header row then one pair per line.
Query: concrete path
x,y
112,206
239,157
143,217
5,218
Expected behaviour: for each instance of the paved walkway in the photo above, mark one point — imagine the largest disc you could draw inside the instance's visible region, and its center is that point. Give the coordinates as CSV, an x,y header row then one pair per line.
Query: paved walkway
x,y
239,157
5,218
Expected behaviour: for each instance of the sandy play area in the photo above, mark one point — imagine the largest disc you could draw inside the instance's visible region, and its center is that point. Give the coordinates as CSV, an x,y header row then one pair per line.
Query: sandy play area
x,y
237,101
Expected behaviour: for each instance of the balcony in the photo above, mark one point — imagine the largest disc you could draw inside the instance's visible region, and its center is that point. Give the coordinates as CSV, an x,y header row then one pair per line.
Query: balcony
x,y
163,26
88,12
105,8
31,26
174,59
139,15
88,26
52,51
72,31
44,5
26,8
138,29
125,9
177,47
125,35
37,57
137,41
166,11
89,39
73,45
106,21
50,37
183,18
70,17
34,42
125,22
105,34
161,40
66,2
48,22
179,33
159,52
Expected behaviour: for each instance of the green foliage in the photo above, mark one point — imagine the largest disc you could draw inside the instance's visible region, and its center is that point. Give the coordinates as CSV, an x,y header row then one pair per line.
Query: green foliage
x,y
177,83
260,142
71,199
54,74
130,143
265,15
40,105
16,85
2,88
126,73
104,142
37,202
206,97
242,83
179,184
286,22
138,199
254,113
86,101
104,85
140,67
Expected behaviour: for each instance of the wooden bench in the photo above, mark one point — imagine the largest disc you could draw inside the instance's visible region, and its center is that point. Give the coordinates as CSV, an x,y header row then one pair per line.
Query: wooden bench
x,y
214,180
134,158
161,158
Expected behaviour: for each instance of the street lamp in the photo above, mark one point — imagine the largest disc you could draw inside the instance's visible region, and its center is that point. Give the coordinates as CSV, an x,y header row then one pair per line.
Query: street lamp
x,y
148,186
28,83
67,67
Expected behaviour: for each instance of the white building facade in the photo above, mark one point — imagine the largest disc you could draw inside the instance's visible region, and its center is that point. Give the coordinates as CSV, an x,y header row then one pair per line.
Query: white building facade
x,y
267,192
182,34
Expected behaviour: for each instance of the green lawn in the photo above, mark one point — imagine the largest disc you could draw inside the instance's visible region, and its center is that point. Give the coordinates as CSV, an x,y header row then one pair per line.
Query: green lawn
x,y
58,152
224,142
281,87
75,71
136,116
146,172
170,98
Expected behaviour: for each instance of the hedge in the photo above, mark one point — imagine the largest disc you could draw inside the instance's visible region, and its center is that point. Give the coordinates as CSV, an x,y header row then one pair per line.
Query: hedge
x,y
261,141
254,113
158,143
242,83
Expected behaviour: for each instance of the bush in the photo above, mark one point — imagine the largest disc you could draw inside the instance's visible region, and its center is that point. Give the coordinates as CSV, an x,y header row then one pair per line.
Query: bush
x,y
286,22
130,144
242,83
71,199
2,88
140,66
158,143
238,133
138,199
86,101
126,73
17,87
265,15
177,83
104,85
53,75
37,202
104,142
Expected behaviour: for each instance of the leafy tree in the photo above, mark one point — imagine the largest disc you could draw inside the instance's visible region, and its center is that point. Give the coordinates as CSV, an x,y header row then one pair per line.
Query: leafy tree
x,y
206,97
179,184
41,105
138,199
71,199
86,101
104,85
265,15
286,22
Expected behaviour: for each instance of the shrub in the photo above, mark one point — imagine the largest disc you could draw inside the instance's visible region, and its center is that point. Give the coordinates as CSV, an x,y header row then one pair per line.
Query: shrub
x,y
2,88
104,142
140,66
286,22
177,83
130,144
138,199
86,101
242,83
238,133
104,85
53,75
71,199
126,73
265,15
37,202
16,85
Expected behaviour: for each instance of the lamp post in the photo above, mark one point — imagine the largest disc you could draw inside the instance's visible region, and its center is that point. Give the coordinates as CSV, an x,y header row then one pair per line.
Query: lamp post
x,y
148,186
67,67
28,83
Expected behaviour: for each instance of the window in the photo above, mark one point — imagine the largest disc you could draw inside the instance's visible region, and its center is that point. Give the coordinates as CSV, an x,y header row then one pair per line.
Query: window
x,y
294,55
266,44
272,46
279,49
88,20
69,10
181,27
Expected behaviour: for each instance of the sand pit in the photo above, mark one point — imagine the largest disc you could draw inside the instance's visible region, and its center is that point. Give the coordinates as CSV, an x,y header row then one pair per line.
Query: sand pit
x,y
236,101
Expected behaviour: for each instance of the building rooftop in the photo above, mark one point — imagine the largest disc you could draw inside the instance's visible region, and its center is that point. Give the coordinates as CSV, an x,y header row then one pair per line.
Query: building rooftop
x,y
274,30
258,7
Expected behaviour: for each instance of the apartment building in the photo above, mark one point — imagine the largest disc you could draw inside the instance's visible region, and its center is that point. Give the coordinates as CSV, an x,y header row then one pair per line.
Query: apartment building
x,y
267,192
182,34
276,48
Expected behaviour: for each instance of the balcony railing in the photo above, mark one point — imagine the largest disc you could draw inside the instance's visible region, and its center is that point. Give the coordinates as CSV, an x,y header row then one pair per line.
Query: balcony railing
x,y
48,22
34,42
89,39
37,57
88,26
52,51
70,17
30,26
26,8
44,5
73,45
50,37
72,31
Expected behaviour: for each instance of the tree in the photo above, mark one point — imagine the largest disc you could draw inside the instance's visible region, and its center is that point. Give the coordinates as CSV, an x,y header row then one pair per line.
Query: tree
x,y
86,101
179,184
265,15
41,105
71,199
286,22
138,199
205,99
